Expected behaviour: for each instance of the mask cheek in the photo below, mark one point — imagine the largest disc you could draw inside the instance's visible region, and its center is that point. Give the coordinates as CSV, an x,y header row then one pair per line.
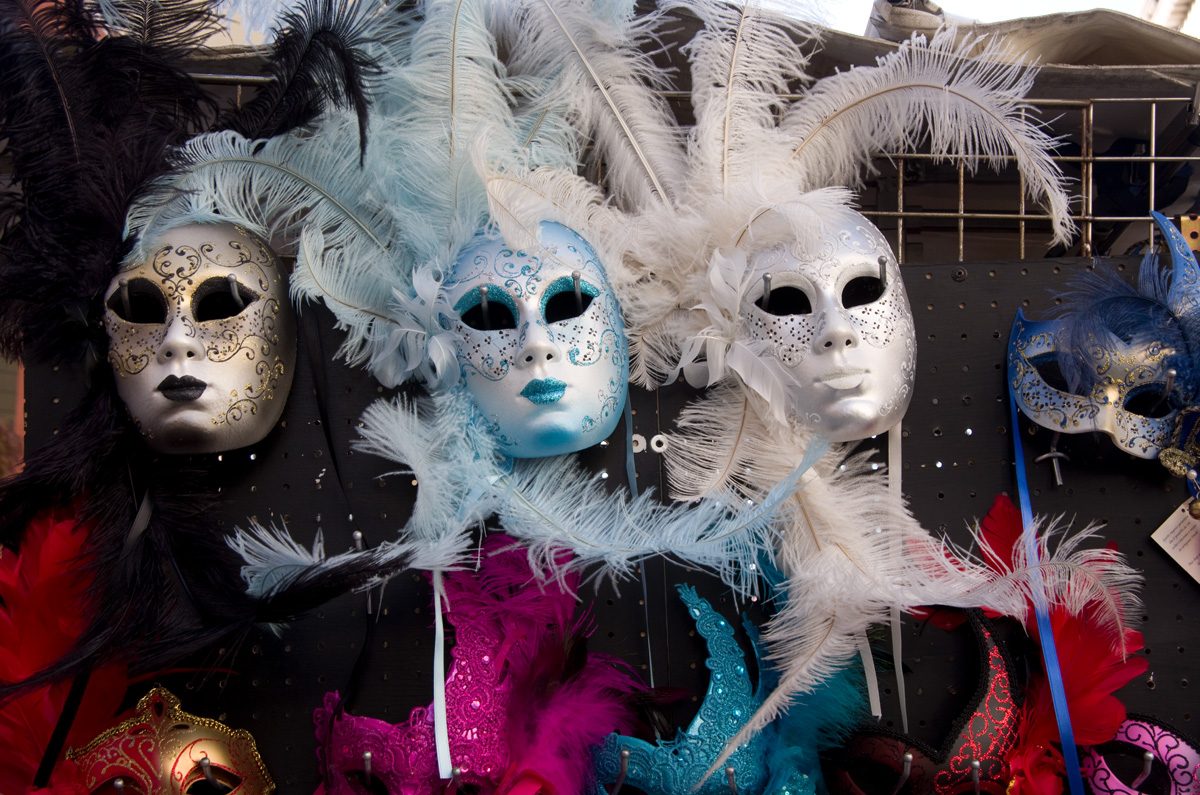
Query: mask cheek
x,y
598,335
132,346
885,320
790,336
487,354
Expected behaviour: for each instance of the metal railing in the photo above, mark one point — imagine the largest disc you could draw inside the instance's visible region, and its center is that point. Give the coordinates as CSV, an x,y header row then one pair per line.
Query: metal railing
x,y
1083,204
1020,215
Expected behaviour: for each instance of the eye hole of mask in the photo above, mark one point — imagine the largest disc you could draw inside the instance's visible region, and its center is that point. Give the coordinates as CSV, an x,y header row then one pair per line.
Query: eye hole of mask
x,y
1048,368
363,783
561,303
1150,401
499,315
226,782
216,300
869,775
145,303
784,301
861,291
1125,761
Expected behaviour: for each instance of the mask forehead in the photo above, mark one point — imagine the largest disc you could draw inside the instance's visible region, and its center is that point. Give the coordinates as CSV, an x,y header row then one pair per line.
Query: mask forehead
x,y
833,309
525,275
208,308
552,333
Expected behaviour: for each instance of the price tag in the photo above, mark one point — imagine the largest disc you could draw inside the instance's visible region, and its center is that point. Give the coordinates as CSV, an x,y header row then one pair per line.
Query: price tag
x,y
1179,537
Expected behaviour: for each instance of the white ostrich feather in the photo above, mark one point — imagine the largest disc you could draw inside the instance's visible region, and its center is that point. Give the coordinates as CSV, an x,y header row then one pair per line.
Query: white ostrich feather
x,y
743,63
1070,574
273,187
552,503
722,447
967,105
274,564
436,442
520,198
598,56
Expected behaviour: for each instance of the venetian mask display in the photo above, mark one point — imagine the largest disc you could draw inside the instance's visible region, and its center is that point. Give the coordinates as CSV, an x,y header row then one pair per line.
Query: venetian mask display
x,y
202,339
836,314
542,343
163,750
1119,360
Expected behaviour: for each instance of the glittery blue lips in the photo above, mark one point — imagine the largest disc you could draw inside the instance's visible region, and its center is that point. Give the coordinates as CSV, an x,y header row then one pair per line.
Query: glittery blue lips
x,y
544,391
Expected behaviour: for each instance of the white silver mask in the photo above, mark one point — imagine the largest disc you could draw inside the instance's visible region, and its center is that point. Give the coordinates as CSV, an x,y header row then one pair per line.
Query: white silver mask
x,y
838,319
202,339
542,343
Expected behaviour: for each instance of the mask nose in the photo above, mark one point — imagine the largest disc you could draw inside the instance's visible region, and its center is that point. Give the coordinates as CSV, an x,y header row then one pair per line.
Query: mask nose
x,y
838,333
539,347
180,342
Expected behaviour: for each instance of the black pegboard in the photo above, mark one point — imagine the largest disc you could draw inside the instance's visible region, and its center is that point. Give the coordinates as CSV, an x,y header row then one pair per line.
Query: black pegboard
x,y
957,456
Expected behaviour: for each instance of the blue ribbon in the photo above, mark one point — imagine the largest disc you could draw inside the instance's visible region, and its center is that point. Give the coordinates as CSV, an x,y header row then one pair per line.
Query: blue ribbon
x,y
1058,693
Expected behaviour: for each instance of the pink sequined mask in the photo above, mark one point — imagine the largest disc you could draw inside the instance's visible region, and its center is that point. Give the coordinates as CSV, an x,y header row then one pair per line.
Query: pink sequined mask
x,y
505,625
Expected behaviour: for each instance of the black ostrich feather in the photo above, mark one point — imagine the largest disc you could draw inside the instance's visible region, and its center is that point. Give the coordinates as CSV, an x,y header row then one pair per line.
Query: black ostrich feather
x,y
171,29
88,116
38,79
320,59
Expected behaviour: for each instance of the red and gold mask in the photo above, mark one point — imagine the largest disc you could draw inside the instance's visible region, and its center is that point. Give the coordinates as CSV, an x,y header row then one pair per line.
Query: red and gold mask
x,y
163,750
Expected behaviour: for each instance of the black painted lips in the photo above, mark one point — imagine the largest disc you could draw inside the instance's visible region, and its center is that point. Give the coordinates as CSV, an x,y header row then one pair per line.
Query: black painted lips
x,y
182,389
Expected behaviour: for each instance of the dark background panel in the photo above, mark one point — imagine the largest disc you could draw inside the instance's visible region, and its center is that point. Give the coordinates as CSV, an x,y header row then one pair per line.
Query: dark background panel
x,y
957,455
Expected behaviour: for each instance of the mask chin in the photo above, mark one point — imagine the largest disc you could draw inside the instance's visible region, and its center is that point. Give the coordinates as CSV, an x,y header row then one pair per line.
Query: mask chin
x,y
202,339
542,344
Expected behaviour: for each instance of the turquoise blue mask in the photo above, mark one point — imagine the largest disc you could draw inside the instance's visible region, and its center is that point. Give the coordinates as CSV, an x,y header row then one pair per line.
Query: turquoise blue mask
x,y
674,767
542,344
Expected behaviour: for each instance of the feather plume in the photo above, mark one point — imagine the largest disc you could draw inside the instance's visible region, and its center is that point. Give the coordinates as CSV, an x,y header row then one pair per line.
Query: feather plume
x,y
172,28
565,701
599,57
276,566
1092,673
439,445
37,42
855,577
823,720
552,503
744,62
969,105
42,614
1075,577
722,447
520,198
1100,308
321,59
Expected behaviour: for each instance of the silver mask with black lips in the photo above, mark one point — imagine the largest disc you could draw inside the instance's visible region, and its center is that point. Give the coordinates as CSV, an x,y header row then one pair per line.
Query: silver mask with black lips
x,y
837,316
202,340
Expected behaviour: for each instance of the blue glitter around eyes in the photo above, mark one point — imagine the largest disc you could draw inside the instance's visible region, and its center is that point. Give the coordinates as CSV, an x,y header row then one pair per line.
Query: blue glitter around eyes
x,y
473,298
566,284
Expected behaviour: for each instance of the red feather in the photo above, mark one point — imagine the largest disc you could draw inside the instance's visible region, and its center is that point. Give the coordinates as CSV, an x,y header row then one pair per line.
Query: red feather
x,y
43,589
1001,529
1092,673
